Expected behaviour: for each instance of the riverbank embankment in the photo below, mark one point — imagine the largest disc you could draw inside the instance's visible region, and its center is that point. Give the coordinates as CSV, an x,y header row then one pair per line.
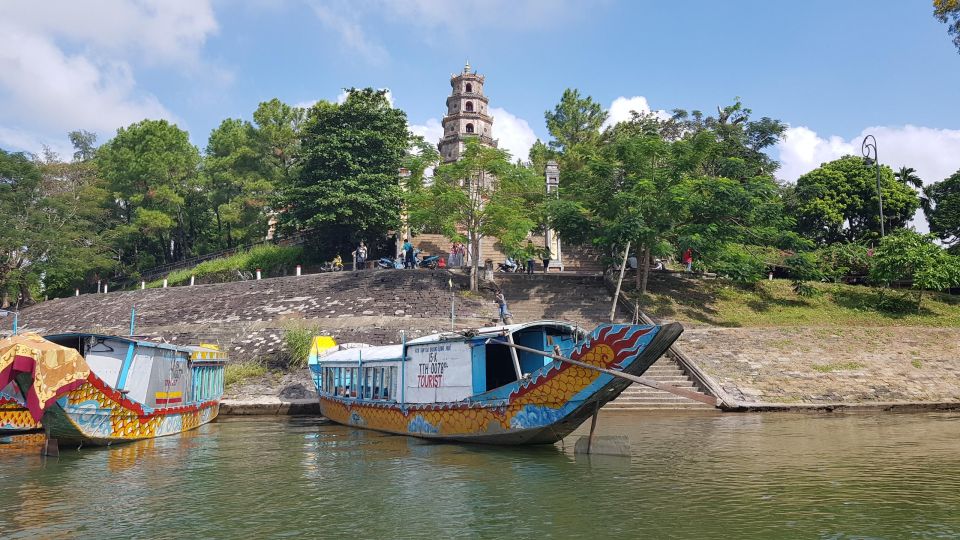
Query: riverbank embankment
x,y
830,363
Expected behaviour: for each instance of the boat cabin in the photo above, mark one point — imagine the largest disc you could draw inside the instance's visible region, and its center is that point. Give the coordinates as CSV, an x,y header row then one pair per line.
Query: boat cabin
x,y
157,375
445,367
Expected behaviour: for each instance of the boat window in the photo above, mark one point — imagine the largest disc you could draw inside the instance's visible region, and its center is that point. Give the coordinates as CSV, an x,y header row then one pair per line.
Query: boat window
x,y
500,370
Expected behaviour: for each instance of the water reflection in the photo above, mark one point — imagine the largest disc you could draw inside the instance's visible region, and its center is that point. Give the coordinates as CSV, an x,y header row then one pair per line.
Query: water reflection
x,y
712,476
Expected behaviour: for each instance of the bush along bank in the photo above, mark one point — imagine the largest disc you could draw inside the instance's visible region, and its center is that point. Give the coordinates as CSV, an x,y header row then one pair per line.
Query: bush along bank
x,y
270,260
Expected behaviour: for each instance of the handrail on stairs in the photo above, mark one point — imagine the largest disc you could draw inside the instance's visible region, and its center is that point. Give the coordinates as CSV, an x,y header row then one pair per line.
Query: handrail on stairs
x,y
689,367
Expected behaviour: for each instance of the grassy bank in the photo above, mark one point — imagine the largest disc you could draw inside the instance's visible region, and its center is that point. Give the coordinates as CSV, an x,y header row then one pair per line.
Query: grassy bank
x,y
271,260
773,303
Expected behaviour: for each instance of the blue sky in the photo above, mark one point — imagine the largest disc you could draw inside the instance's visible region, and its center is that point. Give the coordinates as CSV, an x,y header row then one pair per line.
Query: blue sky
x,y
833,70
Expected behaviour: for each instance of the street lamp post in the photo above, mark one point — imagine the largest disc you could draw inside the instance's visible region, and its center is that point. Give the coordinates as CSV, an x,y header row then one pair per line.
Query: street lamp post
x,y
865,149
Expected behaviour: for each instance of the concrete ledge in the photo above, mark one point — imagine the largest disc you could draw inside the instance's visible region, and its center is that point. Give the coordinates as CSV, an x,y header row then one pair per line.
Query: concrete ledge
x,y
270,405
890,406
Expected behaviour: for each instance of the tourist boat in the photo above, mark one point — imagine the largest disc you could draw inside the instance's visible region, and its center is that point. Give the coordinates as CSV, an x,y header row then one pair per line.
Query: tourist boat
x,y
531,383
14,416
98,389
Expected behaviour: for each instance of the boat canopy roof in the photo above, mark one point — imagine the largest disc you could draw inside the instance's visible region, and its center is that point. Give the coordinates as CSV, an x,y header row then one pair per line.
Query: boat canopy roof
x,y
369,353
193,351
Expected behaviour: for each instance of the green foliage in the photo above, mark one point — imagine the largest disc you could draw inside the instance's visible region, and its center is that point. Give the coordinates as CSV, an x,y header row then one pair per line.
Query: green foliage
x,y
298,340
804,267
738,263
910,256
49,237
348,184
236,179
574,120
843,259
943,209
837,202
151,170
238,372
948,11
482,194
271,260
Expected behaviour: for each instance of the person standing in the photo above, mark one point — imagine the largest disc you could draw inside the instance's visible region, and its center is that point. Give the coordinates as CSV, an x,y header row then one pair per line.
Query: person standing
x,y
688,260
408,255
530,254
546,259
360,256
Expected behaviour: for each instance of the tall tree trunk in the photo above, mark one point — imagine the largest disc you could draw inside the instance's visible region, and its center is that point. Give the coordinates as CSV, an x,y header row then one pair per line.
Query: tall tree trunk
x,y
475,260
636,276
646,269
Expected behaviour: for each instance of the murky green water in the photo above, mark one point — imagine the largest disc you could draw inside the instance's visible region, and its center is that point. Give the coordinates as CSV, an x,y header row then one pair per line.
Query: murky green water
x,y
690,476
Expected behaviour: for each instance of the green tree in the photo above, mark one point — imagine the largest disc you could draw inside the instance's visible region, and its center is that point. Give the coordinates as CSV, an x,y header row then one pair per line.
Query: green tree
x,y
906,255
574,120
348,185
420,157
151,170
236,180
943,209
84,144
279,129
47,242
948,11
837,202
481,195
908,176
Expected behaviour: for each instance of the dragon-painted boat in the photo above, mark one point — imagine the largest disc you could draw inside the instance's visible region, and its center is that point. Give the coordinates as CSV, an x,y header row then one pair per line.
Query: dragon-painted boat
x,y
98,389
531,383
14,416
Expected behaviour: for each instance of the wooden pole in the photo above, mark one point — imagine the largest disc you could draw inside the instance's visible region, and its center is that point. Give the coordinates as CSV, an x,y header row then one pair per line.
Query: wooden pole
x,y
696,396
616,296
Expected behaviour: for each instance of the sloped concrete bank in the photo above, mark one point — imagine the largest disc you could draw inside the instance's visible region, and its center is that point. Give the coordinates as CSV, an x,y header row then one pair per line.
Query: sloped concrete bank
x,y
823,368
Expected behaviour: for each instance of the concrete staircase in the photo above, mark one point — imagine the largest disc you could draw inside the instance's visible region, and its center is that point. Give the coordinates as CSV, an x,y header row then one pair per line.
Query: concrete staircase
x,y
585,300
575,259
639,397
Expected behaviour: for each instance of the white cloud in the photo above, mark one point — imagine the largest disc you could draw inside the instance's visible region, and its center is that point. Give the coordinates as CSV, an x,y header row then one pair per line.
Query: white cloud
x,y
341,18
622,108
68,65
151,30
514,133
934,153
431,130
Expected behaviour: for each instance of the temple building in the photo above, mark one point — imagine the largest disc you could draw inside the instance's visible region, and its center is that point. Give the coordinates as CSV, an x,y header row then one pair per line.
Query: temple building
x,y
467,115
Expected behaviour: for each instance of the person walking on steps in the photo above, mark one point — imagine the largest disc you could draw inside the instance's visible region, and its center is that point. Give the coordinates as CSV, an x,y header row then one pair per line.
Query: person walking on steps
x,y
505,316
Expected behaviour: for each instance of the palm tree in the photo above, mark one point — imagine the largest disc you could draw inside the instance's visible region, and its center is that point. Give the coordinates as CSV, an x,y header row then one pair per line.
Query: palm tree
x,y
908,176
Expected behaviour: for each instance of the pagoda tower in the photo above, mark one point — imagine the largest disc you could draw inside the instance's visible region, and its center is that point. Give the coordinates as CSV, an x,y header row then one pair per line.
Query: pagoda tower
x,y
467,115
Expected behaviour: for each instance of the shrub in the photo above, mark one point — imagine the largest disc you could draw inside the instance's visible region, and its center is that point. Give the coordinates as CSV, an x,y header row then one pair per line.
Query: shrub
x,y
839,261
238,372
803,268
298,340
272,260
736,262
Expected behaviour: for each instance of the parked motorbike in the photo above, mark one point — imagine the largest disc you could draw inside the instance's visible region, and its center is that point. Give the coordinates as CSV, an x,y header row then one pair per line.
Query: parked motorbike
x,y
430,261
508,268
388,263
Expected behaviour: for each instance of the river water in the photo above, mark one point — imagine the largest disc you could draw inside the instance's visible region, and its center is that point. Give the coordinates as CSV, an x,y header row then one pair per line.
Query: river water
x,y
689,476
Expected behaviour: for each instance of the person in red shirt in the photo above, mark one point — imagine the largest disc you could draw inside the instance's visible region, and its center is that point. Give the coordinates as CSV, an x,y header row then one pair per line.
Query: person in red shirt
x,y
688,259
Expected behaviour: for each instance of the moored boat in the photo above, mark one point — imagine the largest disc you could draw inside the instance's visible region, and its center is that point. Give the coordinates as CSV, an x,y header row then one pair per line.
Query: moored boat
x,y
531,383
97,389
